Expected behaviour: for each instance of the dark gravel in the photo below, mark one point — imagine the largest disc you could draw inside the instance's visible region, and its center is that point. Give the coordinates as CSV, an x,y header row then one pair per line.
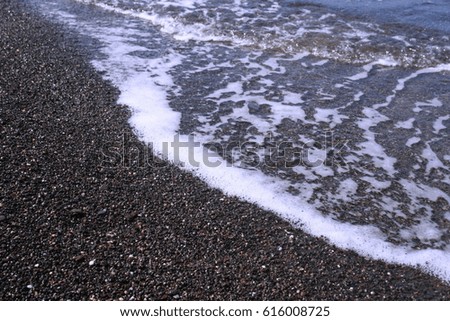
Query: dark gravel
x,y
72,229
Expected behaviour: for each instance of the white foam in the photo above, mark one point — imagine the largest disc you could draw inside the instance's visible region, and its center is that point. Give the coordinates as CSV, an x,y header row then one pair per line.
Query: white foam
x,y
331,116
292,98
146,92
370,146
322,170
435,102
182,3
427,230
411,141
379,185
407,124
274,65
402,39
438,124
402,82
447,216
326,16
391,206
176,28
269,193
432,160
423,191
320,63
232,87
347,189
389,62
325,96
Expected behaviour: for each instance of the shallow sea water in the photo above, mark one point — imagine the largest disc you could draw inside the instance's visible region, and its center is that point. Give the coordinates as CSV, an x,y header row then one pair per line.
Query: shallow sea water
x,y
335,116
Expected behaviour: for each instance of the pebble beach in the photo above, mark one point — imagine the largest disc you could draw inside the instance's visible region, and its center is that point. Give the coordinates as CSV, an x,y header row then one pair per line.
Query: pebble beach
x,y
72,228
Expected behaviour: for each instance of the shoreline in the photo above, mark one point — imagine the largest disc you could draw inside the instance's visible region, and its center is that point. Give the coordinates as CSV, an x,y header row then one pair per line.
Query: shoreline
x,y
72,229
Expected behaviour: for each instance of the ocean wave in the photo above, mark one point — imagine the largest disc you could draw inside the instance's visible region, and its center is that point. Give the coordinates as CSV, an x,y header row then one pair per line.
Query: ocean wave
x,y
291,29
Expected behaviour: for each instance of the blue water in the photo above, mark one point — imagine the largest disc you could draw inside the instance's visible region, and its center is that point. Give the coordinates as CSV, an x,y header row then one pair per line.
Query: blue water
x,y
430,14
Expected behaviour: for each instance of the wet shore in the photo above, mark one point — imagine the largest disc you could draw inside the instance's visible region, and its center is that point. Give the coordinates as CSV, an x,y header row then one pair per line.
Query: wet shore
x,y
73,228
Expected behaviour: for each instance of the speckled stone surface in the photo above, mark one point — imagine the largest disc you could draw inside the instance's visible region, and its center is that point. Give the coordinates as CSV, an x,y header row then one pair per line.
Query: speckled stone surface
x,y
73,228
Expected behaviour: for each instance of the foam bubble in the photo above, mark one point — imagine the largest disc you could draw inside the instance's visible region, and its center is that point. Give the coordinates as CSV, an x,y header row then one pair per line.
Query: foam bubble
x,y
379,185
438,124
413,140
407,124
431,158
